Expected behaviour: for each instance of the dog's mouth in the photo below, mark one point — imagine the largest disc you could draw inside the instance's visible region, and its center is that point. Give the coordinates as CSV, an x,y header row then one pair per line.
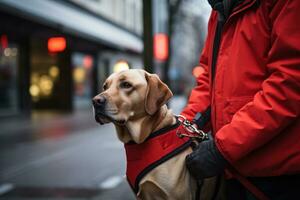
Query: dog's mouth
x,y
103,118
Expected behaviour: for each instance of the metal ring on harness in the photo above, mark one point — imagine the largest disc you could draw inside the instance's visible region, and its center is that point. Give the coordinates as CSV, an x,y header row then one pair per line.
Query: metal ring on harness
x,y
191,128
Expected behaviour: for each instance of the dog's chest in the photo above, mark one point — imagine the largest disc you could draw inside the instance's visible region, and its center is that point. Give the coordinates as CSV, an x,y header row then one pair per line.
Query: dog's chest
x,y
153,155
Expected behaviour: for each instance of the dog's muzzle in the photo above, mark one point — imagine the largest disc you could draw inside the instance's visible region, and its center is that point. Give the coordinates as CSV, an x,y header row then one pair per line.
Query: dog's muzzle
x,y
103,116
99,103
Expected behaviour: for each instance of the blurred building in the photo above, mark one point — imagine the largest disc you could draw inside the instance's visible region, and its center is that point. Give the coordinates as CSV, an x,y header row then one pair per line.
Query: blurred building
x,y
55,54
188,27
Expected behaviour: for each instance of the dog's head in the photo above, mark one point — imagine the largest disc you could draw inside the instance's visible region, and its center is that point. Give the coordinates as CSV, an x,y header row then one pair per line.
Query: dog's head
x,y
128,99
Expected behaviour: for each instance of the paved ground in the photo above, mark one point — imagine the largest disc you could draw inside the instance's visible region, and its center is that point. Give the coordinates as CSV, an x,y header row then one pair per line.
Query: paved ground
x,y
61,157
54,156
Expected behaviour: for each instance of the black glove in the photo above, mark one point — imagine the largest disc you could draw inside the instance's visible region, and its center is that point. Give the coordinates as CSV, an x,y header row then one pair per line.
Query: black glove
x,y
205,161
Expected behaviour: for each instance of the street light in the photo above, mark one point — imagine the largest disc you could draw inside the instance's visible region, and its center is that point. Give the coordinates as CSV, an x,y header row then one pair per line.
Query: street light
x,y
161,47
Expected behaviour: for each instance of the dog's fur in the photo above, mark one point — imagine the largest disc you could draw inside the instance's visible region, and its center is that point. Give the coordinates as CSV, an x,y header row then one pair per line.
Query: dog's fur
x,y
134,100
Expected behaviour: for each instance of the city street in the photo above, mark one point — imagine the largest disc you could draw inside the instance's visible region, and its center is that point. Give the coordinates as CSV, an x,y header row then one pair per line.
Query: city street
x,y
58,160
63,156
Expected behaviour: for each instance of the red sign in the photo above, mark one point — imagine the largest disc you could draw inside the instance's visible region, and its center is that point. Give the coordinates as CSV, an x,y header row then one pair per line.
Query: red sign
x,y
87,61
4,41
56,44
161,46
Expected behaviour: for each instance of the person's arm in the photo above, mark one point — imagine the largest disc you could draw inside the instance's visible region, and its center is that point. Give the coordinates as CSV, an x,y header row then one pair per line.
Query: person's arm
x,y
199,98
277,105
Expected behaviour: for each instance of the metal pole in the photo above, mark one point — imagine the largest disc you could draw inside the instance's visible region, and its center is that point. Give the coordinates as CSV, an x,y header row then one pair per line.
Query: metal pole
x,y
148,35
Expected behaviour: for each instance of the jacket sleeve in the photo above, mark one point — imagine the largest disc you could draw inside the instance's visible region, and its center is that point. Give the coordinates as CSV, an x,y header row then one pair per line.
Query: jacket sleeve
x,y
277,105
199,98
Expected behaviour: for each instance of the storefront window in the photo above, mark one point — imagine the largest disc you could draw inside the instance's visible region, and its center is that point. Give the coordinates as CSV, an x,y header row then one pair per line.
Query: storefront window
x,y
8,77
82,79
44,76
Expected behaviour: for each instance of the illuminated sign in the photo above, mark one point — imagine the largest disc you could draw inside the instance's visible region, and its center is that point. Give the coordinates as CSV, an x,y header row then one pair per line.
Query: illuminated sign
x,y
161,46
4,41
87,61
56,44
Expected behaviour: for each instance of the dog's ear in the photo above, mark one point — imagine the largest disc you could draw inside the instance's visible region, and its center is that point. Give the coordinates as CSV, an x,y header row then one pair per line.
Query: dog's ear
x,y
157,93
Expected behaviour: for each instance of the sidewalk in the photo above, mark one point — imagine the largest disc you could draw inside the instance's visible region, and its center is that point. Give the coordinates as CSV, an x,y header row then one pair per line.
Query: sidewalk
x,y
85,165
44,124
61,156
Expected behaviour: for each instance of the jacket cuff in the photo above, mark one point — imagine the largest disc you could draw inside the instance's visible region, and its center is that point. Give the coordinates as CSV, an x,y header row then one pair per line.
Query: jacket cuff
x,y
222,151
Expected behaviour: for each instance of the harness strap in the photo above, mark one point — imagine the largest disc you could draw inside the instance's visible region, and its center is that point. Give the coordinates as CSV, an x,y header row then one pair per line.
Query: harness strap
x,y
159,147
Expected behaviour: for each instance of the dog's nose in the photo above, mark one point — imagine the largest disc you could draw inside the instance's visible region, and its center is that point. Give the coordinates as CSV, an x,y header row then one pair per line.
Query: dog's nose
x,y
99,101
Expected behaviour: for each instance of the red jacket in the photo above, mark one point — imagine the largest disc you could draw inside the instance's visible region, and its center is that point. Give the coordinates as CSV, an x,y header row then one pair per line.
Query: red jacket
x,y
255,97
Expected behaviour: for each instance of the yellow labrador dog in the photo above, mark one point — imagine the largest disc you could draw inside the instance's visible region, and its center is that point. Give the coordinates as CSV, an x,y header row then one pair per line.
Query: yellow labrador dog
x,y
134,100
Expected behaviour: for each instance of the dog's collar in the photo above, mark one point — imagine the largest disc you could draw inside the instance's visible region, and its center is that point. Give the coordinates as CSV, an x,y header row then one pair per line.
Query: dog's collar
x,y
159,147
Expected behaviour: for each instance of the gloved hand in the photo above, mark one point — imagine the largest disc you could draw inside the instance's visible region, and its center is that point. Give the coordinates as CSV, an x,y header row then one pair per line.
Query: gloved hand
x,y
205,161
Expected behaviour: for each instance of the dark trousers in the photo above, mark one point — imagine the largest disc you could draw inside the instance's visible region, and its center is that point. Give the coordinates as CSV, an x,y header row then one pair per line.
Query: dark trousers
x,y
276,188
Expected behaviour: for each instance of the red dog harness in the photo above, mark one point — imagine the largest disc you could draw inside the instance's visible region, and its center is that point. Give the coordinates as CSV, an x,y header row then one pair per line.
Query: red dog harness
x,y
159,147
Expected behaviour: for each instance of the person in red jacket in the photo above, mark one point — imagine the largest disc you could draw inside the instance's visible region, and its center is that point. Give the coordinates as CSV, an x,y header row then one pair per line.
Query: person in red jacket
x,y
251,81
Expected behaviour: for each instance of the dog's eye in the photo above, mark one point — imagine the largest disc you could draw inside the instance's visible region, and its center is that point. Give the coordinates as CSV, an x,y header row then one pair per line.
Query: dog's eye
x,y
125,85
104,87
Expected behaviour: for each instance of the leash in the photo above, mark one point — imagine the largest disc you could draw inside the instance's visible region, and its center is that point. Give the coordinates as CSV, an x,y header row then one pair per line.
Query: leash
x,y
247,184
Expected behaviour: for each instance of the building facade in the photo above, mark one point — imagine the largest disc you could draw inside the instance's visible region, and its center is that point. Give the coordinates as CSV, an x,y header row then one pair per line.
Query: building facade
x,y
55,54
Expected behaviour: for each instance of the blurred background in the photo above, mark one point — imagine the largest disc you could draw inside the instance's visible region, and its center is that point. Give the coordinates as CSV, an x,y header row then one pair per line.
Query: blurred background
x,y
54,57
